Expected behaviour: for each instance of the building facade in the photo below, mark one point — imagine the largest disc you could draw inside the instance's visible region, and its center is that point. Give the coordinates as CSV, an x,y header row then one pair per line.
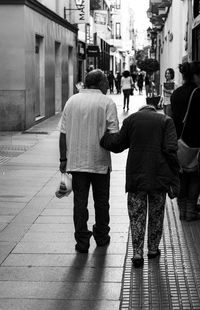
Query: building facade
x,y
175,33
38,59
123,37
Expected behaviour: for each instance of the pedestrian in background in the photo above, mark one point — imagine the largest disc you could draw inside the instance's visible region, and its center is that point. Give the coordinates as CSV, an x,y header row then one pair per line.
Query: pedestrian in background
x,y
134,76
147,85
85,118
166,90
151,172
111,80
118,82
190,181
126,86
140,81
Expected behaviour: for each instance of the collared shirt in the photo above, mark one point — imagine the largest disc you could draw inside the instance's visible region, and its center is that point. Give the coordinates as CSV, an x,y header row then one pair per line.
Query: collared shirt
x,y
86,117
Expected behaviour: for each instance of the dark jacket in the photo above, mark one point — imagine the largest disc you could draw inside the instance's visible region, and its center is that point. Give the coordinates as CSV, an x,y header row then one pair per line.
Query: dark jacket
x,y
179,103
152,163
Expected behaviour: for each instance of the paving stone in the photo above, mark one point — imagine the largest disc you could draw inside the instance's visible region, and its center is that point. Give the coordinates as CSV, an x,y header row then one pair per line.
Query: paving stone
x,y
66,248
38,304
61,274
60,290
63,260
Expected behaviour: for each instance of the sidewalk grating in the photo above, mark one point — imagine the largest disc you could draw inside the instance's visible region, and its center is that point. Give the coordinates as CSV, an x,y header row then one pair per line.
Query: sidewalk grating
x,y
8,151
171,282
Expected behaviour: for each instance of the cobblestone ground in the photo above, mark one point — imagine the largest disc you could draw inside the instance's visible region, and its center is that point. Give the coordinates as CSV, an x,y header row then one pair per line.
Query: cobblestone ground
x,y
171,281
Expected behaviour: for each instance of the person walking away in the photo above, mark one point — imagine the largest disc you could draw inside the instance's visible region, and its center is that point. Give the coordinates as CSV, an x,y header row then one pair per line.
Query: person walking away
x,y
126,85
85,117
140,82
166,90
151,172
147,85
190,181
118,82
134,77
111,79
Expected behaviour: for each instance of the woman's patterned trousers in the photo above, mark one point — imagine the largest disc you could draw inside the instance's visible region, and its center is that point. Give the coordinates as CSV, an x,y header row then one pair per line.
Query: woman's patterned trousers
x,y
138,203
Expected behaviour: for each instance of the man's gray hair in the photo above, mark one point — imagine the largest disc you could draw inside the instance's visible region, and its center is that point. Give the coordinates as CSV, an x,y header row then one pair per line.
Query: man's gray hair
x,y
94,78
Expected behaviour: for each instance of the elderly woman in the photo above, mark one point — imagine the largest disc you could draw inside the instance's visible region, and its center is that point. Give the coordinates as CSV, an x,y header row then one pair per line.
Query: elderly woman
x,y
151,172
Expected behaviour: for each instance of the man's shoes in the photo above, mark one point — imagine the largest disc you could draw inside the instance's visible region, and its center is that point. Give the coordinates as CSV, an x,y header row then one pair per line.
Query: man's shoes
x,y
138,262
154,254
80,249
104,242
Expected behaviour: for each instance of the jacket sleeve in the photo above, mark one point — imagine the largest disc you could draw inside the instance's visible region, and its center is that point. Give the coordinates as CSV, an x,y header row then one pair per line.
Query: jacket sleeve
x,y
170,145
116,142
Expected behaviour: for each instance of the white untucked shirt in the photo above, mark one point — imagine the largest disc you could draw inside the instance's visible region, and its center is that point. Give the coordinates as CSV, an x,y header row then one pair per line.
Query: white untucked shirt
x,y
86,117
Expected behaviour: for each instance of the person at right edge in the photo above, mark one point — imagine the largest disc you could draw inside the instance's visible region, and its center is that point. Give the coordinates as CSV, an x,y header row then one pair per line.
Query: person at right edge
x,y
189,181
151,171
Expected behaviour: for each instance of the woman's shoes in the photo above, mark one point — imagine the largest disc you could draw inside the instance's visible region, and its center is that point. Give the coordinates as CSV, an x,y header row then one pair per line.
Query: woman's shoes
x,y
154,254
138,262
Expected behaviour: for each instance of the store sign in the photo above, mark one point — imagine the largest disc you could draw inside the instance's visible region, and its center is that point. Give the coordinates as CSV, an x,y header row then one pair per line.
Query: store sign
x,y
82,12
100,17
92,51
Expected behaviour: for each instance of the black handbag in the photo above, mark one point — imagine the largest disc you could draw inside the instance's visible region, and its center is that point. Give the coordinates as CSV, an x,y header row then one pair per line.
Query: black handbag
x,y
188,156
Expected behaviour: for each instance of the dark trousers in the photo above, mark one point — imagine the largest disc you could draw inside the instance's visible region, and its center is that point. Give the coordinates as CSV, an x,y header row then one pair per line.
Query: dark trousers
x,y
100,183
111,85
189,186
126,93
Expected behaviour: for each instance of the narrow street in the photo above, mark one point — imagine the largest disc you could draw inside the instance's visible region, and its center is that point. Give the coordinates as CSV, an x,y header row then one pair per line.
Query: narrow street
x,y
39,267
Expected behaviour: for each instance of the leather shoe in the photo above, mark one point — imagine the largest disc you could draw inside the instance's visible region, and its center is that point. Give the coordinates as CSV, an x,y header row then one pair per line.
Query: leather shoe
x,y
104,242
80,249
154,254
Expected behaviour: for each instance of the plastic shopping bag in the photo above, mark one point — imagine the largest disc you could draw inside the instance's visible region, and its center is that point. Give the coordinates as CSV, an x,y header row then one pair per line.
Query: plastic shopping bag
x,y
65,186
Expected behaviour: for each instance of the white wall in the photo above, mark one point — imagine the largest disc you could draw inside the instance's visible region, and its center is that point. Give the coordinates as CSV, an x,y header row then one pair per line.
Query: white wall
x,y
174,50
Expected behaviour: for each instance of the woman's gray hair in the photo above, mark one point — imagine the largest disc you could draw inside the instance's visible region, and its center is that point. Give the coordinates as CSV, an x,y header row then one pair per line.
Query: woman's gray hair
x,y
94,78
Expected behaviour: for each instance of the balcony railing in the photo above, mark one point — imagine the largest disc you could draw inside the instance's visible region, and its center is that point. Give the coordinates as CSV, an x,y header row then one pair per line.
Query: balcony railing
x,y
158,11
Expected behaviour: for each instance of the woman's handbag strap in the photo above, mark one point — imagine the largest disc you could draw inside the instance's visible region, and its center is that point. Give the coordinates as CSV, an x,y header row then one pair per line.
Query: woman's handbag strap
x,y
187,111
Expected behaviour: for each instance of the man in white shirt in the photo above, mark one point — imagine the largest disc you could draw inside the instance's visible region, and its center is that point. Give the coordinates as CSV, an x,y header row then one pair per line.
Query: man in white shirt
x,y
86,116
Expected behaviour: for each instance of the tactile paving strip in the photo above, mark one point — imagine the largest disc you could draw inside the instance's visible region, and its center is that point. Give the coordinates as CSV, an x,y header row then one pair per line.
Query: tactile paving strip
x,y
171,281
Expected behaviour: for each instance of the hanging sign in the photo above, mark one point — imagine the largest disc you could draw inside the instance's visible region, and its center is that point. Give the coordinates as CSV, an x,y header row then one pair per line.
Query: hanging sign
x,y
100,17
82,12
92,50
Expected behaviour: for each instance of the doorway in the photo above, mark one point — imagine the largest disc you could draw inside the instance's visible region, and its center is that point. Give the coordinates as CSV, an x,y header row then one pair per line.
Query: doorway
x,y
39,78
58,78
70,70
